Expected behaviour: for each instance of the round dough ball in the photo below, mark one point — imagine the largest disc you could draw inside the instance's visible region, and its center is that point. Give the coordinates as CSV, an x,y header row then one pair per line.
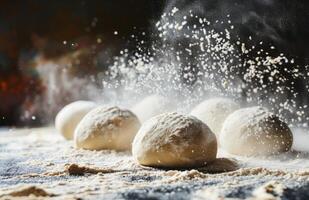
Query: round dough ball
x,y
151,106
70,115
106,128
172,140
255,131
213,112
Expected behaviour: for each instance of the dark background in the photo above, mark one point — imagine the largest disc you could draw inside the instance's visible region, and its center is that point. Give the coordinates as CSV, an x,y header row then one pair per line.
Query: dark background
x,y
30,27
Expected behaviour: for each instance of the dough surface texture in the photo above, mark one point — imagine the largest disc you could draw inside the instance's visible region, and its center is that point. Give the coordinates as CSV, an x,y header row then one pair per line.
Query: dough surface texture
x,y
70,115
151,106
213,112
255,131
107,128
173,140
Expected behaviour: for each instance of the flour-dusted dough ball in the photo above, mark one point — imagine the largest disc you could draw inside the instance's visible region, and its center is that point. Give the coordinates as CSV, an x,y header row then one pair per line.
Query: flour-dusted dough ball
x,y
255,131
151,106
106,128
70,115
213,112
174,140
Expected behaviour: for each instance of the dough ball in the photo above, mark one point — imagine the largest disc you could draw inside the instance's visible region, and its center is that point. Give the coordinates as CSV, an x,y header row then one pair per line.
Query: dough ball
x,y
106,128
173,140
70,115
255,131
213,112
151,106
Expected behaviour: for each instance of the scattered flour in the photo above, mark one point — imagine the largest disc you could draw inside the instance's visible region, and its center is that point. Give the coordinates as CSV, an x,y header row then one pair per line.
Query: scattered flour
x,y
213,112
25,191
151,106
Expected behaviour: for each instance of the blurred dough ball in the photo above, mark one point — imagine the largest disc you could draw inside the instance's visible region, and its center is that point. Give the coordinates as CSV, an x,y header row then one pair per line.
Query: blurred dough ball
x,y
255,131
106,128
173,140
213,112
70,115
151,106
